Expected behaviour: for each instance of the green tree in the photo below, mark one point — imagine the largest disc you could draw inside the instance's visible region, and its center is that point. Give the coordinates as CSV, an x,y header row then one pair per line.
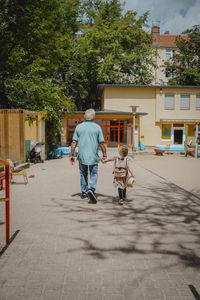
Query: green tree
x,y
34,41
114,48
185,64
54,53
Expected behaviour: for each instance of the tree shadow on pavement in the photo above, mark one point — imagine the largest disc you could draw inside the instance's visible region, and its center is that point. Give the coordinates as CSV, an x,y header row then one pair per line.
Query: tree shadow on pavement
x,y
160,219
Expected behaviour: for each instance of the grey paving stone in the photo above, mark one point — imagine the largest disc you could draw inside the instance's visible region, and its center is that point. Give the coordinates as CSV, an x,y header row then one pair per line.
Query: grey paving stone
x,y
40,276
3,293
29,292
78,286
184,291
132,293
112,290
113,297
147,283
51,294
95,288
170,291
165,284
90,296
180,298
67,249
13,283
153,293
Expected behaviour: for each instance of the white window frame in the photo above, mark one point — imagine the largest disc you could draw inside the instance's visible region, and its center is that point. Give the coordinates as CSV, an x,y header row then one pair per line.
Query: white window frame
x,y
165,106
184,107
168,74
197,101
178,128
169,53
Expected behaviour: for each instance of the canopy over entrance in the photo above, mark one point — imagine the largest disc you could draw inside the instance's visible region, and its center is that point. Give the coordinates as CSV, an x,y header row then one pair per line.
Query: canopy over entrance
x,y
117,126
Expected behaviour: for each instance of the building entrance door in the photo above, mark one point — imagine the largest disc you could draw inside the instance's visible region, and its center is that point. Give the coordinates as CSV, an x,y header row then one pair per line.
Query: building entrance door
x,y
119,132
178,136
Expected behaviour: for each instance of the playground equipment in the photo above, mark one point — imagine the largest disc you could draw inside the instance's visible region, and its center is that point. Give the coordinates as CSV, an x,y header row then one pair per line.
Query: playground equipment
x,y
170,148
5,185
13,173
195,152
140,146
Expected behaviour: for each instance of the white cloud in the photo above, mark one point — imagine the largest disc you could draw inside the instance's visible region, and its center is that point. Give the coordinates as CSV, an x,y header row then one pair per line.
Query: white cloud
x,y
168,12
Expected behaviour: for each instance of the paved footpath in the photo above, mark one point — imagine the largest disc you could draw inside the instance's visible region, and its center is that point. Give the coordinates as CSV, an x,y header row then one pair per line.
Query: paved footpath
x,y
64,248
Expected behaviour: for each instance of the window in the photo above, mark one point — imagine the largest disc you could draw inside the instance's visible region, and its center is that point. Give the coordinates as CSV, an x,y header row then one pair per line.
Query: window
x,y
169,54
185,101
168,74
169,101
166,131
198,101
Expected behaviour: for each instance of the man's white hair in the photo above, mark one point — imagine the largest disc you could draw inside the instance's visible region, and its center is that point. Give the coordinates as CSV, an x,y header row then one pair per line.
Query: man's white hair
x,y
89,114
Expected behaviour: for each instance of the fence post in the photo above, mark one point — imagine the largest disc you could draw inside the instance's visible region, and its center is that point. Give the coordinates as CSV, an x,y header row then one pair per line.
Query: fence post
x,y
186,140
196,141
7,203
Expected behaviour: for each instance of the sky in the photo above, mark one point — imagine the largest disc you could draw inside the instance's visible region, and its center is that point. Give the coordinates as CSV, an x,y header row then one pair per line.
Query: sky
x,y
174,16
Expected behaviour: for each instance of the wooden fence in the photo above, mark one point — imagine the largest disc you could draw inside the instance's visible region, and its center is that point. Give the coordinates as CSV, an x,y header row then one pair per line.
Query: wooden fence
x,y
15,130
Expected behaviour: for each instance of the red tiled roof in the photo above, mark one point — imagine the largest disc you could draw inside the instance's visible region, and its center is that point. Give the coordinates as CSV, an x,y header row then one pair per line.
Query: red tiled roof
x,y
166,40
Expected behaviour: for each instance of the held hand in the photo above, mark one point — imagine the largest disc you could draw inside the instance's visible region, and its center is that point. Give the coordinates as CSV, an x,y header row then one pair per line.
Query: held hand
x,y
72,160
103,160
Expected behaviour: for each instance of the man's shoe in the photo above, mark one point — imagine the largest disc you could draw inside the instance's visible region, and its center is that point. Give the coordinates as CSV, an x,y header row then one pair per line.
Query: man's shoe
x,y
92,197
121,202
84,196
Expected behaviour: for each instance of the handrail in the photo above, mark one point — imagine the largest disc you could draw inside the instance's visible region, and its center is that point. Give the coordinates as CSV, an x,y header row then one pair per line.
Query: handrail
x,y
4,162
6,176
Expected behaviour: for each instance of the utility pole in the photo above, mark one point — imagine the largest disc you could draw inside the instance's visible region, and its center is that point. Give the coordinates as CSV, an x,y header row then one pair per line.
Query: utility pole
x,y
196,141
134,108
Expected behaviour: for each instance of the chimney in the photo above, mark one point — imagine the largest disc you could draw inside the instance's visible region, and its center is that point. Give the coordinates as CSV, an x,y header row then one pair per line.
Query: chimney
x,y
166,32
155,30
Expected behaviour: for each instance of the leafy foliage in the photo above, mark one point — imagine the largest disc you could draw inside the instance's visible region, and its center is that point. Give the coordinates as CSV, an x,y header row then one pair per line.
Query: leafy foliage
x,y
34,37
54,53
185,65
114,48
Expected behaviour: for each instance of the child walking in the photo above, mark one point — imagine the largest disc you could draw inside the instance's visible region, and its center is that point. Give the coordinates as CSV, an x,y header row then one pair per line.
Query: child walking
x,y
121,170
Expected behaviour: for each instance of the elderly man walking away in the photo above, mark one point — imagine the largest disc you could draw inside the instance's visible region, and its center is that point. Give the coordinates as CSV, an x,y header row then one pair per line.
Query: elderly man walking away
x,y
88,135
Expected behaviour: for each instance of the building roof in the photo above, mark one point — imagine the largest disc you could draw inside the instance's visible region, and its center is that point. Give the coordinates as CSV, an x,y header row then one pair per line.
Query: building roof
x,y
165,40
108,112
197,120
132,86
101,86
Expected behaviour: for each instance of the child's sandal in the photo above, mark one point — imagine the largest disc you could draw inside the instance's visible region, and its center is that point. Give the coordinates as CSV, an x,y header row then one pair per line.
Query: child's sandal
x,y
121,202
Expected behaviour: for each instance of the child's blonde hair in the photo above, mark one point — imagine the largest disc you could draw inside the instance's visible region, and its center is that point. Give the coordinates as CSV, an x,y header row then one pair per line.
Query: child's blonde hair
x,y
124,150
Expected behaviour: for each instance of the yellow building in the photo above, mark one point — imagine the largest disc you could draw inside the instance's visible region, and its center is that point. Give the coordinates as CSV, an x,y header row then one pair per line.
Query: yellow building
x,y
168,108
161,116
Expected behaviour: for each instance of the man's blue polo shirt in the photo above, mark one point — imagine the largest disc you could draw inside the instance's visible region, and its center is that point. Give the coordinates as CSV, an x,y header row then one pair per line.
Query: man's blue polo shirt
x,y
88,135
